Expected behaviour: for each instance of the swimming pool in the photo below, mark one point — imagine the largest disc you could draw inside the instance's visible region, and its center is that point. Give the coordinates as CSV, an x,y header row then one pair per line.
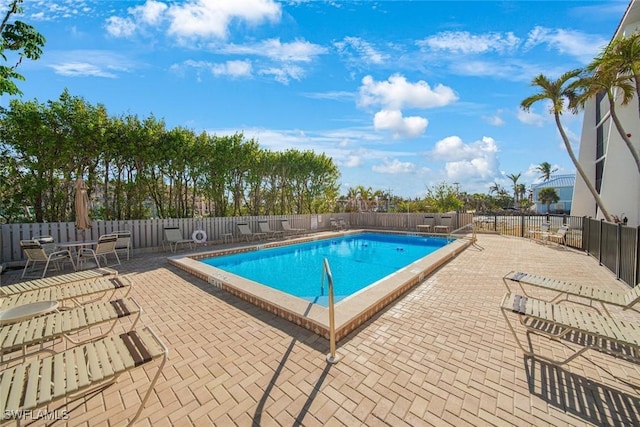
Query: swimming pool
x,y
349,314
356,261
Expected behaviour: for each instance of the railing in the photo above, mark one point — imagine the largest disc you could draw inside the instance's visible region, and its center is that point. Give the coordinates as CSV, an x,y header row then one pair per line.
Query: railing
x,y
615,246
326,272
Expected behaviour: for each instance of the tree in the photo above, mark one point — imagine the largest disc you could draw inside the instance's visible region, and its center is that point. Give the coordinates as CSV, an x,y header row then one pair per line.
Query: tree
x,y
443,198
547,196
558,92
514,178
21,39
610,73
546,170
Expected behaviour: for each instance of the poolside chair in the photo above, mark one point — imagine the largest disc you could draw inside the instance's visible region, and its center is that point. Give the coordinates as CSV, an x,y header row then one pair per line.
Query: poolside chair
x,y
79,371
444,226
123,244
74,293
39,330
47,242
288,230
559,236
36,253
106,245
559,322
264,228
427,225
173,237
627,300
246,232
61,279
336,224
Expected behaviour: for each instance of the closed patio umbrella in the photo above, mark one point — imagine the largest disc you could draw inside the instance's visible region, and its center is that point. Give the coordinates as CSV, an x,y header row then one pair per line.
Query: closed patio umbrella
x,y
82,206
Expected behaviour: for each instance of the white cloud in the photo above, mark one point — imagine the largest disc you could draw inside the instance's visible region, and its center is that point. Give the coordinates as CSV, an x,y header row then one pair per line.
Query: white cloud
x,y
400,126
397,93
467,43
394,167
150,13
495,120
95,63
365,53
531,118
120,27
194,19
284,74
232,68
582,46
81,69
211,18
297,51
476,161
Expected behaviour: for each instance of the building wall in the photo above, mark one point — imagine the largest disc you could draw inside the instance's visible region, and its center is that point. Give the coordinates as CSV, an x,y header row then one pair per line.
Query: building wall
x,y
620,183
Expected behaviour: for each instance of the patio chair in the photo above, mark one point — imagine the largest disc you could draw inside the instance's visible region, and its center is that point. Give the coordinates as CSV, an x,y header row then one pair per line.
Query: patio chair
x,y
80,371
37,254
106,245
627,300
39,330
560,236
173,237
586,329
288,230
427,225
444,226
61,279
246,232
47,242
75,293
264,228
123,244
336,224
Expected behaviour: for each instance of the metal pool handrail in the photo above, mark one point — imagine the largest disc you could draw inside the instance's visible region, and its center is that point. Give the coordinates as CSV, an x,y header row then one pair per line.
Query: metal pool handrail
x,y
326,271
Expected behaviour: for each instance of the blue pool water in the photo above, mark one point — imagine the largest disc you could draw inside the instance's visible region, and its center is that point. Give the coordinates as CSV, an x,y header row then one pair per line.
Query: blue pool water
x,y
355,261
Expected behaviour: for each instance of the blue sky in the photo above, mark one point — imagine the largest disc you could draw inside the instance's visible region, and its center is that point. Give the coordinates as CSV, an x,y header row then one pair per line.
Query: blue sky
x,y
403,95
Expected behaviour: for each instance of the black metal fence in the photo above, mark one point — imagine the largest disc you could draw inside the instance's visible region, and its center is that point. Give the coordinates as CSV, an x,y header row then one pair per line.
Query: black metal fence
x,y
615,246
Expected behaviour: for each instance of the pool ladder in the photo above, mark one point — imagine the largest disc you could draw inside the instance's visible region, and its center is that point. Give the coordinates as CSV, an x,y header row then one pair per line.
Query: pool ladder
x,y
326,272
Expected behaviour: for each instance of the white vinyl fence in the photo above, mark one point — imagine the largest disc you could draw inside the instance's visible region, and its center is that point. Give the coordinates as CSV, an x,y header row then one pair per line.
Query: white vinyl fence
x,y
147,235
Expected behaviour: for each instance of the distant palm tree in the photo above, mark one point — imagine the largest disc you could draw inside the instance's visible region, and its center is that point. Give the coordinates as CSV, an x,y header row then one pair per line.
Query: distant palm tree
x,y
515,177
546,170
615,71
558,92
547,196
495,188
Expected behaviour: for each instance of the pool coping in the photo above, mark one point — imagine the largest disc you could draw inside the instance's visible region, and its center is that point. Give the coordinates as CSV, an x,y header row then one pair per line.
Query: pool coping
x,y
349,313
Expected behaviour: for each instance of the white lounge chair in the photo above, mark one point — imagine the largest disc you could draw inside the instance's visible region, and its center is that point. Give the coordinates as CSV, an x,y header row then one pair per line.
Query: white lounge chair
x,y
288,229
560,236
444,226
123,244
587,329
249,235
173,237
264,228
70,292
36,253
79,371
38,330
427,225
61,279
587,295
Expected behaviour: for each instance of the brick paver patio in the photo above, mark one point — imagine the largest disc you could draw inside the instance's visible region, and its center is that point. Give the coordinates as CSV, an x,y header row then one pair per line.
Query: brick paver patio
x,y
441,355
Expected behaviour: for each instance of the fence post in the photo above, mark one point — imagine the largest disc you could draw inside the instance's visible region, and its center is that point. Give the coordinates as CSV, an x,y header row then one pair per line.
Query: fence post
x,y
636,268
618,250
600,243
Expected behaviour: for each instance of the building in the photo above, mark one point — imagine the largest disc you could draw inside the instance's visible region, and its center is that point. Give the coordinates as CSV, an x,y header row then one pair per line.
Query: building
x,y
563,185
603,153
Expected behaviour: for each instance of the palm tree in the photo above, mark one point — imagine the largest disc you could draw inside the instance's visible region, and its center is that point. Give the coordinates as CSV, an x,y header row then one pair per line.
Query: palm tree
x,y
558,92
546,170
515,177
622,56
614,72
547,196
